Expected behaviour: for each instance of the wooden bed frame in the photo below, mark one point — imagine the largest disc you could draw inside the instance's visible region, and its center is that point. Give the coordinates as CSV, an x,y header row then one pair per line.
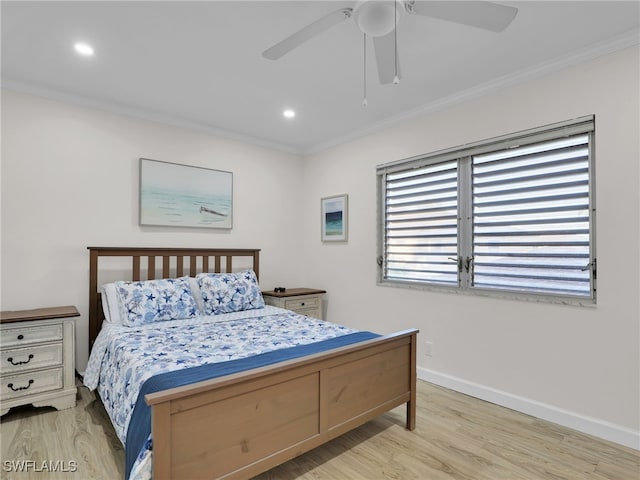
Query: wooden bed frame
x,y
241,425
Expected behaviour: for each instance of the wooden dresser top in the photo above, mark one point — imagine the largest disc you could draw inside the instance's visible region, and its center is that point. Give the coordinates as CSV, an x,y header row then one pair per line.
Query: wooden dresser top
x,y
292,292
39,314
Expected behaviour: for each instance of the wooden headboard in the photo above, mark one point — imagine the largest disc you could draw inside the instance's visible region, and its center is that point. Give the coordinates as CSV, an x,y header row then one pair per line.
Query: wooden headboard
x,y
172,262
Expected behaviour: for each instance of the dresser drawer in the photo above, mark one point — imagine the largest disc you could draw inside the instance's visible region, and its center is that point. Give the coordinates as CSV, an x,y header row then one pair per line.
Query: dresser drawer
x,y
14,386
309,312
30,357
27,335
301,303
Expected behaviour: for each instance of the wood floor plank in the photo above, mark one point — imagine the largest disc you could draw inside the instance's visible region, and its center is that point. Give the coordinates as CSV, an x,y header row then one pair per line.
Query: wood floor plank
x,y
82,436
457,438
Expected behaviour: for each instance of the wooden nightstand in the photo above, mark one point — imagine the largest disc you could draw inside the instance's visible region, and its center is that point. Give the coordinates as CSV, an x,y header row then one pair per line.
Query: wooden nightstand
x,y
37,363
306,301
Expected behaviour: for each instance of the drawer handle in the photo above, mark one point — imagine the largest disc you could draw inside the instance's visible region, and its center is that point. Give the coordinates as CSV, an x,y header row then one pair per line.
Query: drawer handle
x,y
302,304
20,388
10,360
20,337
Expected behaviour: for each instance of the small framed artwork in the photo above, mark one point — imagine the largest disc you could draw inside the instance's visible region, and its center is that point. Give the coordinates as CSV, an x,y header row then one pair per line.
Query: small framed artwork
x,y
175,195
334,213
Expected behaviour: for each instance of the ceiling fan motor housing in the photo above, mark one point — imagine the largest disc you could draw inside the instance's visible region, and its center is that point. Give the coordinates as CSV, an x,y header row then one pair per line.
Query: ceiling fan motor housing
x,y
376,18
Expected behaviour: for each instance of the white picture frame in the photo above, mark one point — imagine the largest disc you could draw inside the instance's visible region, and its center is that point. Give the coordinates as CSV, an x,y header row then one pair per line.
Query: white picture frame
x,y
175,195
334,214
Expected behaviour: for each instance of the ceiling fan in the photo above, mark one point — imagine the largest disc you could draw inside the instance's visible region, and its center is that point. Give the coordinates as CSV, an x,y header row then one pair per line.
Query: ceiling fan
x,y
378,19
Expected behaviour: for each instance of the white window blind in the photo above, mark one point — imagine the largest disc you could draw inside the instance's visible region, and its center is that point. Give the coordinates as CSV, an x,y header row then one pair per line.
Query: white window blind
x,y
421,224
513,214
531,218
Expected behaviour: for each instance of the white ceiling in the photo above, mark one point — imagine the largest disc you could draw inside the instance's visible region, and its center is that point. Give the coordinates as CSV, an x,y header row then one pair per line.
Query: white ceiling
x,y
199,64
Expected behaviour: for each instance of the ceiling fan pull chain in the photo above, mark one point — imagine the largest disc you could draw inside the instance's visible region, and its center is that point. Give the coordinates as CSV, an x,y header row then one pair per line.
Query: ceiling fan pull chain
x,y
396,79
364,76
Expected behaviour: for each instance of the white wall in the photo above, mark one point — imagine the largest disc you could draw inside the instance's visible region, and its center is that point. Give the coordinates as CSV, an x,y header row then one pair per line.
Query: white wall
x,y
70,180
575,365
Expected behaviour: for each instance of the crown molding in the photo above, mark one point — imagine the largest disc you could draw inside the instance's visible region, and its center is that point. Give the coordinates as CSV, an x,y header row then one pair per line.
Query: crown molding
x,y
620,42
139,113
614,44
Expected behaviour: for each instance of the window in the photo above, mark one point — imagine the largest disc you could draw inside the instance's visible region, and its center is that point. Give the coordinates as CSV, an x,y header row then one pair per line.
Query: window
x,y
513,215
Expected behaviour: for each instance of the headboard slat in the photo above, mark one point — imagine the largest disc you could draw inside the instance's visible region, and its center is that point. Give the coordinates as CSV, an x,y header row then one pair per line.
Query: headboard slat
x,y
136,268
179,266
96,314
166,266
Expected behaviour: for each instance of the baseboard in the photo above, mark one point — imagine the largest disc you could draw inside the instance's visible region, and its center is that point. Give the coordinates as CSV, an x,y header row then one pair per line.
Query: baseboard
x,y
591,426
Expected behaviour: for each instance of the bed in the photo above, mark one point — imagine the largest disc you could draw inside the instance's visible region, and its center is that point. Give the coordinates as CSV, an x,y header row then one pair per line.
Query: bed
x,y
252,416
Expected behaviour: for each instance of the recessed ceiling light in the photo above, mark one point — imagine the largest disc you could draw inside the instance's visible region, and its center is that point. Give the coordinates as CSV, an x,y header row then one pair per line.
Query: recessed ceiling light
x,y
289,113
83,49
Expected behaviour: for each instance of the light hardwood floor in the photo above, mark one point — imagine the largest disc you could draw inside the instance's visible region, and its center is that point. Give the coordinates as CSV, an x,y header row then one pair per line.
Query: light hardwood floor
x,y
457,437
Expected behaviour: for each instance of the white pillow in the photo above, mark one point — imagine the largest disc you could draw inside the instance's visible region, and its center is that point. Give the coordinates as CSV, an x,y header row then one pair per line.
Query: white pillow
x,y
111,303
197,295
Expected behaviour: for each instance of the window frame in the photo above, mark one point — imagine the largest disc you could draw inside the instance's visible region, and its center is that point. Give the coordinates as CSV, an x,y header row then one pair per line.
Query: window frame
x,y
464,156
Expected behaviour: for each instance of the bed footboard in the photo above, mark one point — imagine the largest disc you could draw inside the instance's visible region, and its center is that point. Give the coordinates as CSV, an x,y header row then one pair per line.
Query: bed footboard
x,y
244,424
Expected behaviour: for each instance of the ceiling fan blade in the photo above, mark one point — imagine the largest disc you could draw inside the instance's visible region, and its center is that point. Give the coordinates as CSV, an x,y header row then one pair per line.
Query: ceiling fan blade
x,y
386,57
306,33
485,15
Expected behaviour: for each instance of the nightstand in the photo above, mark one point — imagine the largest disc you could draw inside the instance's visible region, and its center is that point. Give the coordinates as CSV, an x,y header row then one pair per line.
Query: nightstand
x,y
37,362
306,301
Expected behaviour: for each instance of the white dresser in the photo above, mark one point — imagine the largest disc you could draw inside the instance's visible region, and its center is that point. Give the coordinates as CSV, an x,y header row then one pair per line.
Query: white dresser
x,y
38,358
306,301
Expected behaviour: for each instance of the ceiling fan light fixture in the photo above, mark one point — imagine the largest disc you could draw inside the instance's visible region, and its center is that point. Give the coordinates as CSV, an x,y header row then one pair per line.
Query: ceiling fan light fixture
x,y
375,18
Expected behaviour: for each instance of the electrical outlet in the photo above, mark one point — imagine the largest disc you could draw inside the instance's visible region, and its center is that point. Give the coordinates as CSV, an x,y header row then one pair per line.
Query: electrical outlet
x,y
428,349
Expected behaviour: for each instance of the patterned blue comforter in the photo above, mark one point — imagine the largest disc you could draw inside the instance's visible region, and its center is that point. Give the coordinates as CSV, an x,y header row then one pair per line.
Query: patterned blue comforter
x,y
124,358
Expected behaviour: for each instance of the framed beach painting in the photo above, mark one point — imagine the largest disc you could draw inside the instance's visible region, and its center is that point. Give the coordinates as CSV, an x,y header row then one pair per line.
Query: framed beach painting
x,y
177,195
334,218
